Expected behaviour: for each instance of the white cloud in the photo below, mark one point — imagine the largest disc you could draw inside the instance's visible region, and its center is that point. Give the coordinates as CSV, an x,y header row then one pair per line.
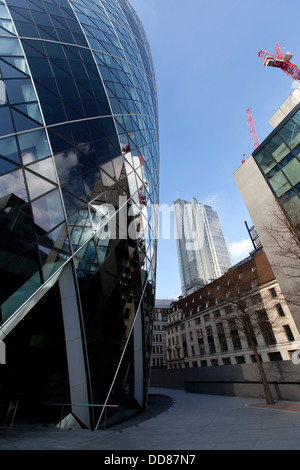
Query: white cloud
x,y
240,250
211,199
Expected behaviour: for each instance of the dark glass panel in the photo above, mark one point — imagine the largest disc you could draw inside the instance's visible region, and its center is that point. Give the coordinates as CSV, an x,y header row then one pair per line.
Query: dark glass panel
x,y
40,18
18,281
84,163
9,149
53,112
8,71
26,29
22,122
46,32
72,203
67,88
57,238
6,166
74,109
6,126
20,90
15,217
90,107
32,110
76,187
60,144
90,179
33,48
265,160
40,67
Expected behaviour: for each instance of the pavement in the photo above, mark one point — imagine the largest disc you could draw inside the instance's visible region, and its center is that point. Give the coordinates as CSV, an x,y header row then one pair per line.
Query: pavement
x,y
176,421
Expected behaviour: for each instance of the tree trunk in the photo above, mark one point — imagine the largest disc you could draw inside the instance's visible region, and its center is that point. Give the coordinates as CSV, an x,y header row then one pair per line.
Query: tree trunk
x,y
268,394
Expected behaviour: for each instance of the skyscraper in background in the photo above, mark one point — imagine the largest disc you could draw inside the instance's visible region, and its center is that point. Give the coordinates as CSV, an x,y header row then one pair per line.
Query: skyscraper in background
x,y
202,251
79,167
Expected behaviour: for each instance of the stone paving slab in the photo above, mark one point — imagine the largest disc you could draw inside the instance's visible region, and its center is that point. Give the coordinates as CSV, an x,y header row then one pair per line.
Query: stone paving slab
x,y
193,422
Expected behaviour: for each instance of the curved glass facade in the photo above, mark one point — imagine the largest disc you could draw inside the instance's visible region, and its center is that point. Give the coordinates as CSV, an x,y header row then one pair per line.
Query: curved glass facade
x,y
79,163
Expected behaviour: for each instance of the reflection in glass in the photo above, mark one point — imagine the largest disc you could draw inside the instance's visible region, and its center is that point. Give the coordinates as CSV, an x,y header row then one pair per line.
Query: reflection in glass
x,y
47,211
13,183
34,146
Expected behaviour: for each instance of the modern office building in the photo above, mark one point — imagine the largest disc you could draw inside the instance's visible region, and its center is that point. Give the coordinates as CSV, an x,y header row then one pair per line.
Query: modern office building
x,y
204,329
269,182
202,251
79,175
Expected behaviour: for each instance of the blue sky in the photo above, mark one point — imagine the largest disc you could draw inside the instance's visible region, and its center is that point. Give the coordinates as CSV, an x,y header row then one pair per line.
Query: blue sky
x,y
208,73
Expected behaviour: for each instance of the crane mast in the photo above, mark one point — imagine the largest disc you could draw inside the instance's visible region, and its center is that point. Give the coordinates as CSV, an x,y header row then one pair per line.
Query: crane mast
x,y
252,129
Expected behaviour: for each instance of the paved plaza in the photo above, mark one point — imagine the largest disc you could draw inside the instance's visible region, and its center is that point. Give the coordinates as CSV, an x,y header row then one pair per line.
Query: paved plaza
x,y
190,422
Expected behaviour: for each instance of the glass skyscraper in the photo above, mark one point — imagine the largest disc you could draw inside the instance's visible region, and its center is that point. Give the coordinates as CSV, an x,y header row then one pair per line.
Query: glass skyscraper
x,y
79,162
202,251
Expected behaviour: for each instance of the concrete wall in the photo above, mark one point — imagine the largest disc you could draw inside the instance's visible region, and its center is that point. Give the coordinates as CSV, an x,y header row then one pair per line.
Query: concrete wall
x,y
242,380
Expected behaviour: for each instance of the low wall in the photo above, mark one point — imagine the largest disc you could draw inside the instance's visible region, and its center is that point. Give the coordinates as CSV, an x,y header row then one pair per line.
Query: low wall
x,y
241,380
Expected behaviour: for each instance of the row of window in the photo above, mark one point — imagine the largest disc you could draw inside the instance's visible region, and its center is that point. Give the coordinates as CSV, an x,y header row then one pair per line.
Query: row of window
x,y
273,356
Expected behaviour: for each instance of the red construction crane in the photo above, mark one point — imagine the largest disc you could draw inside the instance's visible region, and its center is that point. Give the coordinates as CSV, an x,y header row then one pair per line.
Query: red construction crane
x,y
252,129
281,61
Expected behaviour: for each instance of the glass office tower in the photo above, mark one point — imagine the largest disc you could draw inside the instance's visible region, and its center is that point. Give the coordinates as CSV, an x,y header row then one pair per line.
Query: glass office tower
x,y
202,251
79,176
278,159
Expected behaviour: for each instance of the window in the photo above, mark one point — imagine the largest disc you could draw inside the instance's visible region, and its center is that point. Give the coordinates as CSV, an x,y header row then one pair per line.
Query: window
x,y
253,268
280,310
203,363
226,361
253,283
266,328
240,359
206,317
253,358
275,356
201,342
221,336
273,292
210,339
228,309
214,362
288,332
217,313
234,335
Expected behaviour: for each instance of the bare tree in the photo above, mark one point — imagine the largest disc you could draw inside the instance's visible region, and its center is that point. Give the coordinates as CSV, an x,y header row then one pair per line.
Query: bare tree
x,y
282,244
248,318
